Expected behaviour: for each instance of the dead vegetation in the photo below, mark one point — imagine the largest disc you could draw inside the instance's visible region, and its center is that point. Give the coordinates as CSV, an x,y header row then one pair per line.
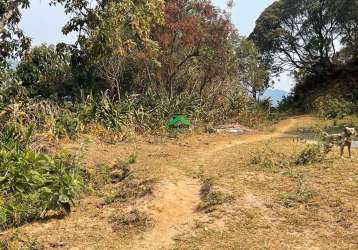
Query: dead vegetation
x,y
269,159
213,194
212,197
134,221
302,195
15,241
130,189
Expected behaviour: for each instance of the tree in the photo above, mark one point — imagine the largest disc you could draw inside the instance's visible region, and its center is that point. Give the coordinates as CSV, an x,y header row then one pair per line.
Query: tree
x,y
194,46
112,70
347,18
120,30
253,74
299,34
12,40
45,72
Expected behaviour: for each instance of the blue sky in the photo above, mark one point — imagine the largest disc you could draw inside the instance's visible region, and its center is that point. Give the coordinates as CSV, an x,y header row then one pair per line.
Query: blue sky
x,y
43,23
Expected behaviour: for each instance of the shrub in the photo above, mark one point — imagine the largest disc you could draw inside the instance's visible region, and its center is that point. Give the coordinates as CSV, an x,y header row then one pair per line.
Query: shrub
x,y
302,195
333,108
269,159
45,72
32,184
311,154
68,125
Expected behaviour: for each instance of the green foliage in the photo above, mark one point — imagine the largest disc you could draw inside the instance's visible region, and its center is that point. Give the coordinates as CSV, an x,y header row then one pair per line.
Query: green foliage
x,y
146,112
10,87
45,72
270,160
103,110
13,42
254,76
68,125
333,108
295,33
15,135
32,184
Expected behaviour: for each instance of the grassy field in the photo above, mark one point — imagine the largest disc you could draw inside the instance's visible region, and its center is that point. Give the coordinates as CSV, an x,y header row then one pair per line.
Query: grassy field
x,y
206,191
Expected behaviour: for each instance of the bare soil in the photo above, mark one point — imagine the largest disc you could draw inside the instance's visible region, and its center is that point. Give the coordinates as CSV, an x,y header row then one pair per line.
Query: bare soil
x,y
253,219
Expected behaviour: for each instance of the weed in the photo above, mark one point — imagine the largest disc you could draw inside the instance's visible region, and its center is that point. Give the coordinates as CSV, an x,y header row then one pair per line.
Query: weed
x,y
312,153
302,195
132,158
269,159
211,198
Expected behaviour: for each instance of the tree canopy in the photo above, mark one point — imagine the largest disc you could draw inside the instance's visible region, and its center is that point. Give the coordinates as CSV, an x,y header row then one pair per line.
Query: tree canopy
x,y
305,34
13,42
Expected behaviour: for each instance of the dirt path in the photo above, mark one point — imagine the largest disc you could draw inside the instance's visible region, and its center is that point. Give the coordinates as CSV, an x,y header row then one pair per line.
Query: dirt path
x,y
173,210
172,206
279,131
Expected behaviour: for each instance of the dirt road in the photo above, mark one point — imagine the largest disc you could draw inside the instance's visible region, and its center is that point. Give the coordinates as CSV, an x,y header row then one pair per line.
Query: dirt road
x,y
177,165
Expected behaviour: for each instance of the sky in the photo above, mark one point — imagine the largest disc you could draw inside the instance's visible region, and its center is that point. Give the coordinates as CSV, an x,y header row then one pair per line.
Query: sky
x,y
43,23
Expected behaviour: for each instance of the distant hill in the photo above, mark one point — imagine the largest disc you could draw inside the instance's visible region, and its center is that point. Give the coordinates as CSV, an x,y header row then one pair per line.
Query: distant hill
x,y
276,95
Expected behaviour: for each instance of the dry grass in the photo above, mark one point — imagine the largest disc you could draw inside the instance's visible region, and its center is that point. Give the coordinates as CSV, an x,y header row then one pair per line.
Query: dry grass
x,y
134,221
279,205
130,189
212,197
274,205
14,241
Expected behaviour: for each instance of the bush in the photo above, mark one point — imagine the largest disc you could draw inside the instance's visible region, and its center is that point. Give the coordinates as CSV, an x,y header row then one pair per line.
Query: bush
x,y
45,72
269,159
10,87
333,108
32,184
15,135
68,125
311,154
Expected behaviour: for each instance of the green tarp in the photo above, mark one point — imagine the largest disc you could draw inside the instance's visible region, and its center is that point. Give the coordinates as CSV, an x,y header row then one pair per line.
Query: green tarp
x,y
179,121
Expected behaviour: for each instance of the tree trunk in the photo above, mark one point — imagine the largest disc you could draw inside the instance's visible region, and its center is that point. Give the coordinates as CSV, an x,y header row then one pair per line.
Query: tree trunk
x,y
118,90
